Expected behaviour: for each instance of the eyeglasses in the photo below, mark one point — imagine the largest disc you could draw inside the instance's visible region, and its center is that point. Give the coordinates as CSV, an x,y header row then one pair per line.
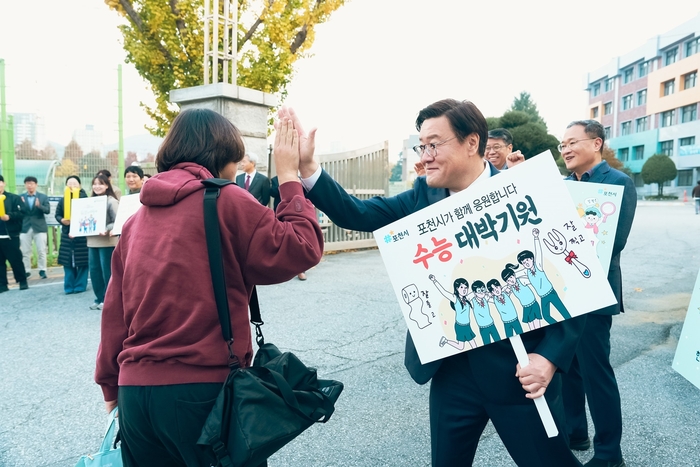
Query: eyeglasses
x,y
571,144
495,147
430,148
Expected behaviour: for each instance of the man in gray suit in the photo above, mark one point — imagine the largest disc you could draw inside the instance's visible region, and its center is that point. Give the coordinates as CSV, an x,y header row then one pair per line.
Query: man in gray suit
x,y
253,181
34,205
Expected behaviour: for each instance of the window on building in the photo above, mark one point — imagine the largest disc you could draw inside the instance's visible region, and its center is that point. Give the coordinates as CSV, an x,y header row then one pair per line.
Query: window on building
x,y
689,113
690,79
638,181
689,141
637,153
594,112
628,75
668,86
606,130
642,124
625,128
643,69
692,47
627,102
671,56
609,84
642,97
667,118
623,154
666,147
685,178
607,108
596,89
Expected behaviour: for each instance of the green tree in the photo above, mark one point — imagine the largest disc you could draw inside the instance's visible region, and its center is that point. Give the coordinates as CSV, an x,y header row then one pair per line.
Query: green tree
x,y
165,42
523,103
659,168
493,123
397,171
529,137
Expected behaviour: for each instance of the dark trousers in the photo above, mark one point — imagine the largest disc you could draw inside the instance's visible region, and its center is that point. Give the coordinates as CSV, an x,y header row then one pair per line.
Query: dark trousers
x,y
75,279
10,251
460,407
592,377
100,261
160,425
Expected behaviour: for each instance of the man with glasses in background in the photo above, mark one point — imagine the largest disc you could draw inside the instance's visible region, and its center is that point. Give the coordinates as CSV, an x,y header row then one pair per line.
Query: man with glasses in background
x,y
591,376
498,147
470,388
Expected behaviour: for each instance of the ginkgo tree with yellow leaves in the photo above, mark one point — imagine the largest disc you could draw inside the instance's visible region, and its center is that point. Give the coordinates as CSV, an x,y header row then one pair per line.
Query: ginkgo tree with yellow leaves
x,y
164,39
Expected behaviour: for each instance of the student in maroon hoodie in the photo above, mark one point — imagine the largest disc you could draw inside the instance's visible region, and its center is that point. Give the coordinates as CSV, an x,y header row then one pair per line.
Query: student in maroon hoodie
x,y
161,358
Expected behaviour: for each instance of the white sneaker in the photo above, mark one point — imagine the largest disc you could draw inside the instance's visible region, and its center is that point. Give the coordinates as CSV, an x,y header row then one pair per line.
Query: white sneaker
x,y
100,305
96,306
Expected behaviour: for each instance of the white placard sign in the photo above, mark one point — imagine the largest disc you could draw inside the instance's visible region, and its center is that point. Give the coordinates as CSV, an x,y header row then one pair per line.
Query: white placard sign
x,y
493,261
128,206
687,358
88,216
598,205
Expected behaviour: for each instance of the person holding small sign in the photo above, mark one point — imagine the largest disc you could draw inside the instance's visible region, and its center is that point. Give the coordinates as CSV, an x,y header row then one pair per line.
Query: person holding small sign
x,y
73,252
101,246
487,383
591,375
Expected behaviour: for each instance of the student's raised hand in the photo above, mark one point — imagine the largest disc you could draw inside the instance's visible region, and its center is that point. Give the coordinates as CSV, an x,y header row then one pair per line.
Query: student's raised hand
x,y
535,233
286,151
307,143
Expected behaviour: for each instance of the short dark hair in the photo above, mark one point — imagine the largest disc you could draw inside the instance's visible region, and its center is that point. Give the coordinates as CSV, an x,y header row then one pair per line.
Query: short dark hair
x,y
525,254
464,117
203,137
2,179
492,283
501,133
593,128
30,179
477,285
134,169
75,177
105,172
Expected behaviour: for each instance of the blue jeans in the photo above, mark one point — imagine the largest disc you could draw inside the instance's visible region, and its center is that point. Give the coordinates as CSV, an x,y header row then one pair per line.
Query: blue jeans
x,y
100,260
75,279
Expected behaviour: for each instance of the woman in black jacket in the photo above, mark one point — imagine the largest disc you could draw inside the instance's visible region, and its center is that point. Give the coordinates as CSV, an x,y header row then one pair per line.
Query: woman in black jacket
x,y
73,252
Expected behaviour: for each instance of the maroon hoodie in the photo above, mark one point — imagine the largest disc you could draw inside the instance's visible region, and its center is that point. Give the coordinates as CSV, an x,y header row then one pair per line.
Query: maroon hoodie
x,y
159,323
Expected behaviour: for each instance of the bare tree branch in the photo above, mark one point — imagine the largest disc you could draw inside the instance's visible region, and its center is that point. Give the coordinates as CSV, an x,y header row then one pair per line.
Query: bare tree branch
x,y
253,28
138,22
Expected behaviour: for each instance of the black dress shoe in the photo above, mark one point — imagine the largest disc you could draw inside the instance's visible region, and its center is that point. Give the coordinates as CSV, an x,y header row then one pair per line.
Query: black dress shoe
x,y
3,288
580,444
23,286
595,462
29,274
42,274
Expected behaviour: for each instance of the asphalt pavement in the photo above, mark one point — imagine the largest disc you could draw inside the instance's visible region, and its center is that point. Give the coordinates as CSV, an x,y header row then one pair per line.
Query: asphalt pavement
x,y
346,321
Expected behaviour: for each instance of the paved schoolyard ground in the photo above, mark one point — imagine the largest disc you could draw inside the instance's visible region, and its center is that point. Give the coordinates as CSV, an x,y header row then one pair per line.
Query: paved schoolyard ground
x,y
346,321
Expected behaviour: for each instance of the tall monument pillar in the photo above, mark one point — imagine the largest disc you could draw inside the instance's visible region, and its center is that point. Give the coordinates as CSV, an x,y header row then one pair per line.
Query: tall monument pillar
x,y
246,108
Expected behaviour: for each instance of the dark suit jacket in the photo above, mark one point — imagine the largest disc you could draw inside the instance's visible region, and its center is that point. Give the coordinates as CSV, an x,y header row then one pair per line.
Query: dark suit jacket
x,y
259,187
34,216
13,208
495,362
603,173
275,192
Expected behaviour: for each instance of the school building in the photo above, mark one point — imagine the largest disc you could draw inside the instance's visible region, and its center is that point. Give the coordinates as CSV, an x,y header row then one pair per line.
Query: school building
x,y
647,100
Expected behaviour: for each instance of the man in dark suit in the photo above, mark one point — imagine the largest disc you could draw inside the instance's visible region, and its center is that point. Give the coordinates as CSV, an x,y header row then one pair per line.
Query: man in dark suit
x,y
591,376
10,227
35,206
486,383
253,181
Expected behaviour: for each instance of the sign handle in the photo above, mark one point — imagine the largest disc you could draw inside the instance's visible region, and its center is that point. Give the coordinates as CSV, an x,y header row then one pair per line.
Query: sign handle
x,y
540,402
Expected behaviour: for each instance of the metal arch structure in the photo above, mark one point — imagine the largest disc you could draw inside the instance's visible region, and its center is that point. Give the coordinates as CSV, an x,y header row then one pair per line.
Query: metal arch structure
x,y
220,41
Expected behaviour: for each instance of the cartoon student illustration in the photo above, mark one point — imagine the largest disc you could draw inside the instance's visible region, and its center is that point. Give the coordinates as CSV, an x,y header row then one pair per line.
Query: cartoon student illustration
x,y
505,307
533,264
482,313
518,286
460,303
593,218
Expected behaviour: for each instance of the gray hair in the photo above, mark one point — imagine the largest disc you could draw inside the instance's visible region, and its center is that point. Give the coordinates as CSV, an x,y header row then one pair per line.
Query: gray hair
x,y
252,157
593,128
